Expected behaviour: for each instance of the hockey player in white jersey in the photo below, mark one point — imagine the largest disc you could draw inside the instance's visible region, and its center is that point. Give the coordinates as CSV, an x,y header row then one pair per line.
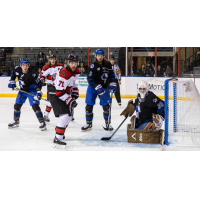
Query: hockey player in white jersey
x,y
64,99
48,72
117,72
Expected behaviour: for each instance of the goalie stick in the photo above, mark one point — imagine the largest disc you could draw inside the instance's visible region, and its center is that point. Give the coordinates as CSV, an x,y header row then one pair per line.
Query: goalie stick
x,y
17,89
108,138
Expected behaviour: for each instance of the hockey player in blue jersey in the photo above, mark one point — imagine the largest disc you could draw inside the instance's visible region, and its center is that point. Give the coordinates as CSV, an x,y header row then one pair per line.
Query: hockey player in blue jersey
x,y
99,73
29,82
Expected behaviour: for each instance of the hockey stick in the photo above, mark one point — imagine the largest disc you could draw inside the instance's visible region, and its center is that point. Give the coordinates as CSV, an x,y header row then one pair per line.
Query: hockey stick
x,y
17,89
108,138
109,117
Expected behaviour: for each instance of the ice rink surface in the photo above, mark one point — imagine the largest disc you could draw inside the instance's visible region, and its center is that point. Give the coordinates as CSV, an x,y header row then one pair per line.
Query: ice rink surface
x,y
28,137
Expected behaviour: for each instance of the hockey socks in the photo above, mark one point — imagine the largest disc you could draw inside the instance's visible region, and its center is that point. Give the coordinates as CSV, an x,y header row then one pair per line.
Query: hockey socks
x,y
17,111
89,117
63,122
89,114
38,113
106,113
48,109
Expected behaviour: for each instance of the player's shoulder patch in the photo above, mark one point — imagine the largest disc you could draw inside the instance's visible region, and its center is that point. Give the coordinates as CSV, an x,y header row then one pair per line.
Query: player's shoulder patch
x,y
155,100
34,74
46,67
92,66
64,73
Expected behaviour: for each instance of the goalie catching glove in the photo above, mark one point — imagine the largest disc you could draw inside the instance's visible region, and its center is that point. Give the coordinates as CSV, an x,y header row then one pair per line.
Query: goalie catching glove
x,y
157,122
130,109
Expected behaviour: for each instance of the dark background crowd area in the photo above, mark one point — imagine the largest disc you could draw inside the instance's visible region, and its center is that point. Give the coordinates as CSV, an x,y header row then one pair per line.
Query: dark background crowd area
x,y
141,65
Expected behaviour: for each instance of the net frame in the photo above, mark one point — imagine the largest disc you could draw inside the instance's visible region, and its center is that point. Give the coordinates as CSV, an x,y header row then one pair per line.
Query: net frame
x,y
182,113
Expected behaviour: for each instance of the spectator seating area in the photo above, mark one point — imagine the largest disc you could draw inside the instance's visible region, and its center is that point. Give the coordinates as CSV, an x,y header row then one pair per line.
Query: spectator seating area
x,y
62,52
31,53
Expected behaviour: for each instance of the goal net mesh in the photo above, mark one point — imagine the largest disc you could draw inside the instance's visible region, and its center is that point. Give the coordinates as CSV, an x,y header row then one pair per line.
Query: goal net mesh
x,y
183,113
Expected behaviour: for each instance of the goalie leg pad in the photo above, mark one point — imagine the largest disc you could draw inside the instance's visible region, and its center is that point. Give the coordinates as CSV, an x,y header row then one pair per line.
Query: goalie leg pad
x,y
146,126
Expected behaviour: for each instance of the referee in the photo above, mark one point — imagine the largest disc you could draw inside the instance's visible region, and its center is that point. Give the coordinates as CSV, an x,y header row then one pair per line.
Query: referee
x,y
117,72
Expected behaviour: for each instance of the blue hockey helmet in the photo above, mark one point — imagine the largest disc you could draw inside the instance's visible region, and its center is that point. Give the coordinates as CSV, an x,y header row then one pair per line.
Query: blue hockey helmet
x,y
99,51
24,61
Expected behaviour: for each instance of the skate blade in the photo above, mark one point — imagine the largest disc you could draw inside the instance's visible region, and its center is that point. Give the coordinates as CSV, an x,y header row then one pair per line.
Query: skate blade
x,y
43,129
11,127
86,130
58,146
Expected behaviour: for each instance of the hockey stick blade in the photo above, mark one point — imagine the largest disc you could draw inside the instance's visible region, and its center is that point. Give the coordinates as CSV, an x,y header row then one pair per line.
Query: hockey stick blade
x,y
108,138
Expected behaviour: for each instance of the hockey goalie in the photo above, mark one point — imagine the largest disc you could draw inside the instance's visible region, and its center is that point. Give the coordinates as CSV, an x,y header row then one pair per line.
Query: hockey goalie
x,y
149,114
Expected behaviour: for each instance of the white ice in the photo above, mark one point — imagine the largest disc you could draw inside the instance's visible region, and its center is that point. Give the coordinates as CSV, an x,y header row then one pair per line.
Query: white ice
x,y
29,137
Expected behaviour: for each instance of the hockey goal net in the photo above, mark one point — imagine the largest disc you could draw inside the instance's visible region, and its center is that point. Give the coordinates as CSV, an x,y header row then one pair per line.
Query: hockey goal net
x,y
182,113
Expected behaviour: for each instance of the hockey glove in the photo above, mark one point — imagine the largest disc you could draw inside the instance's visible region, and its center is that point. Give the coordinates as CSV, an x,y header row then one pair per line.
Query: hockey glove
x,y
12,84
100,91
42,79
157,122
75,92
130,109
38,95
72,104
113,87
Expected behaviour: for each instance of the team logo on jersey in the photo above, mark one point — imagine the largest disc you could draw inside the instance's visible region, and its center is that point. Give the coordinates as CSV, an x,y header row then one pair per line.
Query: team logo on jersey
x,y
155,100
16,73
92,66
53,77
34,75
98,69
104,77
90,74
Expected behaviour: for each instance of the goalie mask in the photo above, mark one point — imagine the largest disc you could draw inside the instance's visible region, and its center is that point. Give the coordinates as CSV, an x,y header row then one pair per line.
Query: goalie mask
x,y
143,88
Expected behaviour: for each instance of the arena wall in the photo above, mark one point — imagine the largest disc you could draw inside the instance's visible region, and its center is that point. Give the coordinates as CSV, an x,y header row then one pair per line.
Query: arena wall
x,y
128,87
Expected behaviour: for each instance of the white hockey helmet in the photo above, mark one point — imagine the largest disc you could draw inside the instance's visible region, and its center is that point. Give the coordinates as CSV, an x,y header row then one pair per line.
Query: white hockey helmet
x,y
143,88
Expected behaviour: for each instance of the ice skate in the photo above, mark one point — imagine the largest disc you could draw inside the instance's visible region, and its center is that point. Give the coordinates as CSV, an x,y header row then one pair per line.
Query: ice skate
x,y
46,118
86,127
43,126
108,127
59,144
14,124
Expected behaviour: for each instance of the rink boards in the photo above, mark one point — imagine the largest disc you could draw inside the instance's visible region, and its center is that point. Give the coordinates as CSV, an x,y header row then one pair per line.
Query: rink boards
x,y
128,87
